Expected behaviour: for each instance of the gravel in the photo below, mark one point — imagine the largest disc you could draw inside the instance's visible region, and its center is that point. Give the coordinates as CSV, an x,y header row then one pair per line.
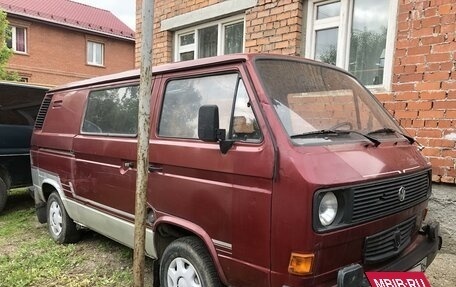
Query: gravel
x,y
442,272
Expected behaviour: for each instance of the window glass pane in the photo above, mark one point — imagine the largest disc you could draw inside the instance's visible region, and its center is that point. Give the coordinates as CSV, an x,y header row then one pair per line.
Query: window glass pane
x,y
20,39
234,38
187,39
99,54
187,56
245,125
112,111
368,40
90,52
95,53
207,42
326,45
328,10
183,98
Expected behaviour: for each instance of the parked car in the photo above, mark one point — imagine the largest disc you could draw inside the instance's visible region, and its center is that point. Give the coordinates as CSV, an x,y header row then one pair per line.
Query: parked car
x,y
19,104
265,170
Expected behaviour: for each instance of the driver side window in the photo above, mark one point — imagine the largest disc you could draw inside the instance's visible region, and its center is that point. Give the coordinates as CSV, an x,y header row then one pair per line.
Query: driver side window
x,y
184,97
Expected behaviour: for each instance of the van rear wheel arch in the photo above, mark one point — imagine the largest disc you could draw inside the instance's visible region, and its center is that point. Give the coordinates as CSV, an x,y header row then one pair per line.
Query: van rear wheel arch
x,y
47,189
41,202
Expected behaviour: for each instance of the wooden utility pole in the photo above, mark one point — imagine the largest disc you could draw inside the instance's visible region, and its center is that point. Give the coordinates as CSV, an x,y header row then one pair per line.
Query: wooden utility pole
x,y
145,89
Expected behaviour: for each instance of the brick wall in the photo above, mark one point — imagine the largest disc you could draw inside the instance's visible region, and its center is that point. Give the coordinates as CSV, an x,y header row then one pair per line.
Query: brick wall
x,y
271,27
424,80
274,27
56,55
423,93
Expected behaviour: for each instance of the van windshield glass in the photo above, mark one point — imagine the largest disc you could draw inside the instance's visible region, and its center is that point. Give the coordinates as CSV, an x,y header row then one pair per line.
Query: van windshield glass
x,y
320,105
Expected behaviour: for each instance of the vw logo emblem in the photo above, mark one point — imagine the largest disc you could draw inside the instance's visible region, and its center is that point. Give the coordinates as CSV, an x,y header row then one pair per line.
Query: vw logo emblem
x,y
401,193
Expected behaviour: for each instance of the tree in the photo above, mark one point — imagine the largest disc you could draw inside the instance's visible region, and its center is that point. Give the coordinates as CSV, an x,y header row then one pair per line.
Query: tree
x,y
5,52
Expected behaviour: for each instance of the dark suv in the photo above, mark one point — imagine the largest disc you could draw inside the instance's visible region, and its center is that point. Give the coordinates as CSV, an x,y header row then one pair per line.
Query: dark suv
x,y
19,105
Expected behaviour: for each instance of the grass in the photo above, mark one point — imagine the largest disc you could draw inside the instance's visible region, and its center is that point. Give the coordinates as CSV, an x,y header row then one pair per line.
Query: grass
x,y
29,257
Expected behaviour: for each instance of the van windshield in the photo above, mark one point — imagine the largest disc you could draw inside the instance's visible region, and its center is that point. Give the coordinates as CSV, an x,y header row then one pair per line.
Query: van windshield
x,y
320,105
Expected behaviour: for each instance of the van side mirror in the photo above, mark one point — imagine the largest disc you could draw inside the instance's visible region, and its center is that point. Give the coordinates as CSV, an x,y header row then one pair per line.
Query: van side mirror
x,y
208,123
208,128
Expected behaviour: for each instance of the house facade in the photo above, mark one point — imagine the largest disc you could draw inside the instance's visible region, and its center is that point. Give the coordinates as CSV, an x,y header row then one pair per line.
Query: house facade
x,y
59,41
403,50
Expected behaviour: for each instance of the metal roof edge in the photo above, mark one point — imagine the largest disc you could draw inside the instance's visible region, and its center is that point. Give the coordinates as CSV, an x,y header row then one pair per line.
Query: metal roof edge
x,y
76,27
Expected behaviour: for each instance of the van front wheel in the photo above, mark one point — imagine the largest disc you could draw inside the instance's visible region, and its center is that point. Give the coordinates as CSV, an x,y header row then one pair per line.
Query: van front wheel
x,y
61,227
186,262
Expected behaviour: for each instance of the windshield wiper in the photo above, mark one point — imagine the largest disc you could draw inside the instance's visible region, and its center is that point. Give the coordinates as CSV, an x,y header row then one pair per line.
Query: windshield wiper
x,y
393,131
335,133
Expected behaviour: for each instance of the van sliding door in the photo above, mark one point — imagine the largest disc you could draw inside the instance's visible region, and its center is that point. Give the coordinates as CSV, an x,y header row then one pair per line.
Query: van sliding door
x,y
105,151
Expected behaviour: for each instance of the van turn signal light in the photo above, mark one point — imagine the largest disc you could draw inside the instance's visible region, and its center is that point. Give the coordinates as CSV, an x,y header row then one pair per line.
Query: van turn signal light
x,y
301,264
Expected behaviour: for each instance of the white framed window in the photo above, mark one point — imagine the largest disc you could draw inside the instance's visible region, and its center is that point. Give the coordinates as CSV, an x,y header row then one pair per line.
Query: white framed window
x,y
18,40
221,37
95,53
356,35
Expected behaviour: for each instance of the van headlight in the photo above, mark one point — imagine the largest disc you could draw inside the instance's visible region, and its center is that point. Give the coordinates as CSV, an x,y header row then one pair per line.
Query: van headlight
x,y
327,209
331,209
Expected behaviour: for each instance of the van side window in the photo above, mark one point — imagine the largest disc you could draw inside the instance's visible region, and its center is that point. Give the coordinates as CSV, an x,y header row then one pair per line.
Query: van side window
x,y
184,97
112,111
245,126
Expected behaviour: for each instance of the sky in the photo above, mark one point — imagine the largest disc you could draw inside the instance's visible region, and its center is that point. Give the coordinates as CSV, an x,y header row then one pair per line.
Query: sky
x,y
123,9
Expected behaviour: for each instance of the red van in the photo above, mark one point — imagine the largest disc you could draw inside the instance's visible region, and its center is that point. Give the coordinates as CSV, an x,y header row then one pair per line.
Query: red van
x,y
265,170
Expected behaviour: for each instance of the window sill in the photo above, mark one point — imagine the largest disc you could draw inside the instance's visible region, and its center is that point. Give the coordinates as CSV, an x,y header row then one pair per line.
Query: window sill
x,y
21,53
96,66
380,89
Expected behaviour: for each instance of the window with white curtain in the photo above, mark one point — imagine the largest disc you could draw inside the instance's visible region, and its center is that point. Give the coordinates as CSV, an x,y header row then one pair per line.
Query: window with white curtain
x,y
18,40
221,37
356,35
95,53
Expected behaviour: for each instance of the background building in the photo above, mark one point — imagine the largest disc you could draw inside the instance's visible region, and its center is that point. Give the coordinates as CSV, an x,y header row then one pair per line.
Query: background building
x,y
59,41
403,50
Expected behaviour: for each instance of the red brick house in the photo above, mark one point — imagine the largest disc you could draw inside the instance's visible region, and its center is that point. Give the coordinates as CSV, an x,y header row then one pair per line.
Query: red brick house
x,y
58,41
403,50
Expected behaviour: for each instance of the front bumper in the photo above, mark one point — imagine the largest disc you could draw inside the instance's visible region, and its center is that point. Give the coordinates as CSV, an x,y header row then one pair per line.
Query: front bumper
x,y
427,246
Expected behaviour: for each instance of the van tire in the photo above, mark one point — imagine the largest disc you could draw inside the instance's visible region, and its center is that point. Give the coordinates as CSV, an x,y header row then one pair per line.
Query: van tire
x,y
182,255
3,194
60,226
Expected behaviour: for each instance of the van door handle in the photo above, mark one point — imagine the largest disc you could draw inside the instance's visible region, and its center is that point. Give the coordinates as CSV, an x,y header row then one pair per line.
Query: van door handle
x,y
154,168
128,164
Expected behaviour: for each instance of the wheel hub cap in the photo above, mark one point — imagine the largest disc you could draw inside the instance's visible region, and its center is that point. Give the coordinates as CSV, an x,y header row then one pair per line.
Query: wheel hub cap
x,y
181,273
55,218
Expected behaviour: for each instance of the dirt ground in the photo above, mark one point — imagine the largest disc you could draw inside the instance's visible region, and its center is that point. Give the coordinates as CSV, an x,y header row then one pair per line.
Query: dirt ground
x,y
442,272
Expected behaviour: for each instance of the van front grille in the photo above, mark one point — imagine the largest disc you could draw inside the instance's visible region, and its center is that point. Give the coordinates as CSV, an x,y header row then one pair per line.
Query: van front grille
x,y
388,243
39,121
384,197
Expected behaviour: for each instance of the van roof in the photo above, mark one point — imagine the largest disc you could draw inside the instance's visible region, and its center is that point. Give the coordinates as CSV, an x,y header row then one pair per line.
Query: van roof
x,y
179,66
165,68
